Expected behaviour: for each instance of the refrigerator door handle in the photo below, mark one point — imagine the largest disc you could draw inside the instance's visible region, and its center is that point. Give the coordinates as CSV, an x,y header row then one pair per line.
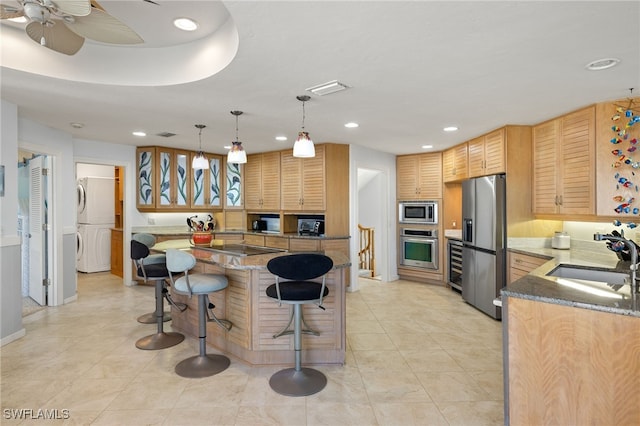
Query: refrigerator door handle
x,y
467,230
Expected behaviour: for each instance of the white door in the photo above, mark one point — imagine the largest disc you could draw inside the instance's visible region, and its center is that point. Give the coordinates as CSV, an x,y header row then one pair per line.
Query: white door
x,y
37,233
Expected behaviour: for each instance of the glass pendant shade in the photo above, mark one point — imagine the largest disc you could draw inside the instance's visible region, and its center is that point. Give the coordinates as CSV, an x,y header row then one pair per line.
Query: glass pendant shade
x,y
200,161
303,147
237,154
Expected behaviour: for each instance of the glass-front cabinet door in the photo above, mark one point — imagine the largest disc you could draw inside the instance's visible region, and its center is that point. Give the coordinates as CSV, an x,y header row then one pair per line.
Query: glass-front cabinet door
x,y
234,185
145,174
205,189
174,173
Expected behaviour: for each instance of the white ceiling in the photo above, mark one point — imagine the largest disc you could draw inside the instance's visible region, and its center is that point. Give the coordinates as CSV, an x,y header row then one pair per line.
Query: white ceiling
x,y
414,67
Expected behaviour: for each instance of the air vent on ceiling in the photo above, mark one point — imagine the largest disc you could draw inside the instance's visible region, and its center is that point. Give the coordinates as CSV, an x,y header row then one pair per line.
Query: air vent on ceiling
x,y
166,134
327,88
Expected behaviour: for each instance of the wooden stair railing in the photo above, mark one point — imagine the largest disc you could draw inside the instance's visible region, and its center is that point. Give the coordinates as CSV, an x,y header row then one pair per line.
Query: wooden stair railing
x,y
366,254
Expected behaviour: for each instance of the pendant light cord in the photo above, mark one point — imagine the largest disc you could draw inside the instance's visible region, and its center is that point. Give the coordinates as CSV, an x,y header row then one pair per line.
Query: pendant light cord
x,y
303,115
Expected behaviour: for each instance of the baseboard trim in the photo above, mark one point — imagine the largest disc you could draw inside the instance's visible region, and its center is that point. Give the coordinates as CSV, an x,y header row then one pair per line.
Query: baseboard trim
x,y
15,336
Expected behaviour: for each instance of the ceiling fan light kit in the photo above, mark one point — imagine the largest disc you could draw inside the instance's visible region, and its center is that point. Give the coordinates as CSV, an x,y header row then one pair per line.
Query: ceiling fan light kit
x,y
63,25
237,154
303,147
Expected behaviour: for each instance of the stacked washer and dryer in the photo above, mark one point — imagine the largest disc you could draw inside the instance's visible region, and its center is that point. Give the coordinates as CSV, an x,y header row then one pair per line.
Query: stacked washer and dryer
x,y
96,213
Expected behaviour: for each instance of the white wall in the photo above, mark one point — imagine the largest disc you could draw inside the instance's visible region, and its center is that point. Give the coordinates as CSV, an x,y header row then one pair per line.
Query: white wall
x,y
94,170
365,158
10,289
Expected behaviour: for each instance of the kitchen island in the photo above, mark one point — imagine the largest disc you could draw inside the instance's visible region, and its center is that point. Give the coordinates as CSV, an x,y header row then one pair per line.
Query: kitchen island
x,y
256,317
571,347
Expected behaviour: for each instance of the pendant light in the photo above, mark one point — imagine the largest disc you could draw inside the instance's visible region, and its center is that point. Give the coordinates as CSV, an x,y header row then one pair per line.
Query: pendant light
x,y
237,154
200,161
303,147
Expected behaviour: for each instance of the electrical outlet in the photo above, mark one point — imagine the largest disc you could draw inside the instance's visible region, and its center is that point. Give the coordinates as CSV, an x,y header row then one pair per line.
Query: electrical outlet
x,y
151,221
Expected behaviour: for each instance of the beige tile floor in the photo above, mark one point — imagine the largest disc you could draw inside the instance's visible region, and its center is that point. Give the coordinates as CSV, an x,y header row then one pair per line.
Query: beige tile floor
x,y
417,355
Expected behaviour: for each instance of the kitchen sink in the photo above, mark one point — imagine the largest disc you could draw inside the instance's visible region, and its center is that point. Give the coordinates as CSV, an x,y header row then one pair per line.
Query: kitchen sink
x,y
581,273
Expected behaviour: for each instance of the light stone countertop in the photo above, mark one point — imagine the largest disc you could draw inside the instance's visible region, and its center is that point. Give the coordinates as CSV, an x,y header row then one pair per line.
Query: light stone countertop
x,y
539,286
229,261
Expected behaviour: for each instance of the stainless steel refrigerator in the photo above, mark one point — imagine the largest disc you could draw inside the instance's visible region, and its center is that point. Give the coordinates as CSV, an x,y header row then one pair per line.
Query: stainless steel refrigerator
x,y
484,238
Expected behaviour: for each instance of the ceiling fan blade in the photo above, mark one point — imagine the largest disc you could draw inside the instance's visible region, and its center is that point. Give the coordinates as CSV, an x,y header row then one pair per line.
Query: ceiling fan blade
x,y
101,26
57,37
10,12
73,7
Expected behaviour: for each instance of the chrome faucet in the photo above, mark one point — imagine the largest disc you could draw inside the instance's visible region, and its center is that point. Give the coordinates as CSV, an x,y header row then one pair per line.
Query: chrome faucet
x,y
634,256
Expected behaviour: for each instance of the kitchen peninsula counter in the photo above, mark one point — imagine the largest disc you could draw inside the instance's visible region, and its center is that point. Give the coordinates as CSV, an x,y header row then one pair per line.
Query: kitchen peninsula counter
x,y
183,231
256,317
570,356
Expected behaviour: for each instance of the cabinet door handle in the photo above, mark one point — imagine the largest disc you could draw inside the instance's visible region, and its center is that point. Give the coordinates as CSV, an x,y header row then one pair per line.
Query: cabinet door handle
x,y
560,198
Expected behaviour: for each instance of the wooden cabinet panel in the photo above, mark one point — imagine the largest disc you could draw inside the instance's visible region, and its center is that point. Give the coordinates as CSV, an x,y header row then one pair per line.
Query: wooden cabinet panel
x,y
303,182
486,154
419,176
254,240
302,244
521,264
454,163
276,242
564,161
262,181
116,253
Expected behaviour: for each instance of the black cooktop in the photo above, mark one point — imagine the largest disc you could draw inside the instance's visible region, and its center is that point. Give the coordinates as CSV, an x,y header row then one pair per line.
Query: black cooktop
x,y
241,249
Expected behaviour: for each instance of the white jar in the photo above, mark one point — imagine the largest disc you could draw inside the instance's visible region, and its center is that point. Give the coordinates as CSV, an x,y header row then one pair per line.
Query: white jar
x,y
561,241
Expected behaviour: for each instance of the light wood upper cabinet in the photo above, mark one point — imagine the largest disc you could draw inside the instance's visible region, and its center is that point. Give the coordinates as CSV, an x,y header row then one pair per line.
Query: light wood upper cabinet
x,y
303,181
145,186
419,176
163,179
486,154
262,181
564,164
233,185
454,163
206,184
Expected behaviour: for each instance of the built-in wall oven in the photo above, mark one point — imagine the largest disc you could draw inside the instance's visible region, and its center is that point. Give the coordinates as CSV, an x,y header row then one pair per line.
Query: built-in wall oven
x,y
419,248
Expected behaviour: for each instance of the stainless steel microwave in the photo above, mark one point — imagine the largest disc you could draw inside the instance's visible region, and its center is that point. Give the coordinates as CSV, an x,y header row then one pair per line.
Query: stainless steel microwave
x,y
419,212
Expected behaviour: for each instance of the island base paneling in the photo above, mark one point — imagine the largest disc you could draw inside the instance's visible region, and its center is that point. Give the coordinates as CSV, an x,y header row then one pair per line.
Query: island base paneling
x,y
256,318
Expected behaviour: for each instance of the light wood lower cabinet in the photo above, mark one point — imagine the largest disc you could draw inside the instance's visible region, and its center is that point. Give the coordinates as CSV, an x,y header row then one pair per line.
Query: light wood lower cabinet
x,y
570,366
521,264
116,253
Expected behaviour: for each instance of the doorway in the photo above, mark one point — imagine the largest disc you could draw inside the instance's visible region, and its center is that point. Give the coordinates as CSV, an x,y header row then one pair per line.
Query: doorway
x,y
35,206
371,214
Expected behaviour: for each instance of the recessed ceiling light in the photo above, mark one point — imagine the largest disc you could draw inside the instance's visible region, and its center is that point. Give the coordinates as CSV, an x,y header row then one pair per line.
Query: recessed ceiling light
x,y
602,64
138,133
19,19
450,129
351,125
185,24
76,125
227,147
281,138
427,146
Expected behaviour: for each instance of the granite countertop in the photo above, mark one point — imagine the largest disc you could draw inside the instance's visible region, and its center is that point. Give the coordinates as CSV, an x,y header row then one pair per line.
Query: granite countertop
x,y
184,230
241,262
540,287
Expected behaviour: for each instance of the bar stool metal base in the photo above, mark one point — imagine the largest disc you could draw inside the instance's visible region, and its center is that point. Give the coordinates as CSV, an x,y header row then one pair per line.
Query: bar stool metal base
x,y
160,340
303,382
199,366
150,318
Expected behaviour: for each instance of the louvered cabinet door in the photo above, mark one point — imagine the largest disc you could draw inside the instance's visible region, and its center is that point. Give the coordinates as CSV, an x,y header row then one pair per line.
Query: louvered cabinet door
x,y
545,167
271,181
407,177
494,152
313,179
578,161
291,184
430,176
253,182
449,165
476,157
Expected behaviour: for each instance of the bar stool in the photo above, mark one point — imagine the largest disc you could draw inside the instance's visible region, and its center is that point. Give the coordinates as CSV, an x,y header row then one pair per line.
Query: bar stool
x,y
299,269
203,364
158,273
149,241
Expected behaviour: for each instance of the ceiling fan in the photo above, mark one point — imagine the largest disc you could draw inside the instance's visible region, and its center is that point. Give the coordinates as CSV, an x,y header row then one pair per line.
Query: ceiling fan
x,y
63,25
